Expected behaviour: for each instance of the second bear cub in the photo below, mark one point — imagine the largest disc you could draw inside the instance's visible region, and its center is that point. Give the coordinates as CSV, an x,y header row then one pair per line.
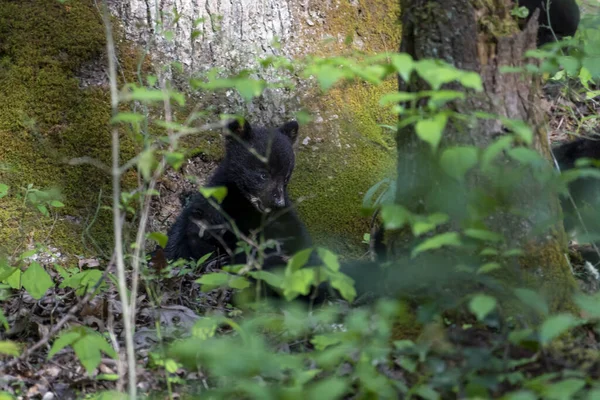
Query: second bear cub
x,y
256,170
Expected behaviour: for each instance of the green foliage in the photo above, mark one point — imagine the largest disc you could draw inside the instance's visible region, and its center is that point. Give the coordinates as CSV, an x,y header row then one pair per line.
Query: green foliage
x,y
87,344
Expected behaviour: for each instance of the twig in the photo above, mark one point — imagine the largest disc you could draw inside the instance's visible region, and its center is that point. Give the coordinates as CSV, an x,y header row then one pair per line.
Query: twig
x,y
116,184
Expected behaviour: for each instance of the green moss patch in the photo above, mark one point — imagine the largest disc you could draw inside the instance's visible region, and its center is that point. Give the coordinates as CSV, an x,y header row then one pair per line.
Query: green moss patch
x,y
47,119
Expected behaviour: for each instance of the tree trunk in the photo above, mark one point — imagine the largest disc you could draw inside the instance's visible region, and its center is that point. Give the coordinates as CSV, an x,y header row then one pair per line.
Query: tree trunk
x,y
453,31
341,152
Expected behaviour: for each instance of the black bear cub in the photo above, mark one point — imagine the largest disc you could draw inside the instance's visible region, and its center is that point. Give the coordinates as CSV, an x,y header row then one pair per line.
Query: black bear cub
x,y
584,191
256,170
563,18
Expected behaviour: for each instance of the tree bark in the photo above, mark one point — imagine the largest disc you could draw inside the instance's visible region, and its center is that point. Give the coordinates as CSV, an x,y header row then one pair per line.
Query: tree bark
x,y
455,32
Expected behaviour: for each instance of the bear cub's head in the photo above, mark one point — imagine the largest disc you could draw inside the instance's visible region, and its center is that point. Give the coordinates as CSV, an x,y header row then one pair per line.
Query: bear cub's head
x,y
260,162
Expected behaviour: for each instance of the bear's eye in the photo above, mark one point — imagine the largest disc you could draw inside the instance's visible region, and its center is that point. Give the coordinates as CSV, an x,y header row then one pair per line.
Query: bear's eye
x,y
263,176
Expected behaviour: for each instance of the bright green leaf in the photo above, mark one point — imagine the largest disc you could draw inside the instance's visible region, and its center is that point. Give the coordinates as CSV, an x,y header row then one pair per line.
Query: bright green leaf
x,y
218,192
128,117
64,339
564,390
404,64
456,161
489,267
329,258
36,280
239,282
3,190
298,260
485,235
394,216
9,348
435,242
481,305
556,325
430,130
159,238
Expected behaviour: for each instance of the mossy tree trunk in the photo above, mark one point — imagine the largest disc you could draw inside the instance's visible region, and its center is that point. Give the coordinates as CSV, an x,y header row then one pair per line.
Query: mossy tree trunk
x,y
455,32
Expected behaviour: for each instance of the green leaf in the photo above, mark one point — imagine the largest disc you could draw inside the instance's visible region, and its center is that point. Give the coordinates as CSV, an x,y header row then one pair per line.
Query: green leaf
x,y
427,392
298,282
298,260
456,161
109,395
526,156
175,159
589,304
303,117
394,216
564,390
440,98
83,281
489,267
404,64
430,130
471,80
63,340
368,201
214,279
330,259
321,342
159,238
14,279
328,75
128,117
89,348
397,97
555,326
484,235
493,150
344,285
520,394
270,278
481,305
532,299
329,388
146,163
249,88
205,328
56,204
569,63
520,128
36,281
9,348
43,209
421,225
203,259
218,192
3,190
435,242
239,282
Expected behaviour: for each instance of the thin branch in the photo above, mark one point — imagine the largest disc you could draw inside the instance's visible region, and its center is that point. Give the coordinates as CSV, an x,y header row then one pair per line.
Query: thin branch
x,y
116,178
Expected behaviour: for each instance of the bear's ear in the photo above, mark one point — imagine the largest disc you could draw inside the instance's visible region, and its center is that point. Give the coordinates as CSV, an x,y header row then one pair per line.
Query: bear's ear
x,y
290,129
243,131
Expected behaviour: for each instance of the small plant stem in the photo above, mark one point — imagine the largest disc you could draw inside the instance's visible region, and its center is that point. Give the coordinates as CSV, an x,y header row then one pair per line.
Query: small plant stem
x,y
116,177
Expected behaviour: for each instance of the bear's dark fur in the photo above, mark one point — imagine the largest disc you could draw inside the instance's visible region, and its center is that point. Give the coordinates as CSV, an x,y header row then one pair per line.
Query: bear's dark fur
x,y
256,170
584,191
564,18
